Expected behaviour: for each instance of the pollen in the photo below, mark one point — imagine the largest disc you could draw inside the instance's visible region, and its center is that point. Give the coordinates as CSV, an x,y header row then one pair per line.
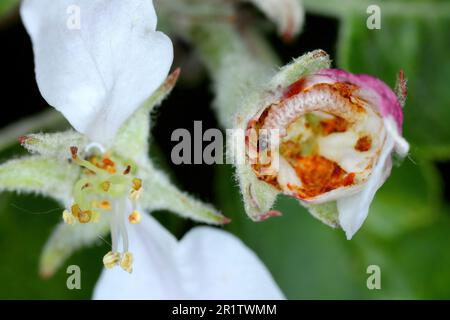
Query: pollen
x,y
127,262
104,205
336,124
68,217
111,259
105,185
76,210
80,215
363,144
134,217
85,216
137,184
319,175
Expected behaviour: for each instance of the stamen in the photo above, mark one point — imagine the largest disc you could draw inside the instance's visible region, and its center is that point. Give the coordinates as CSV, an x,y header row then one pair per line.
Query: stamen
x,y
111,259
85,216
82,216
100,189
134,217
81,162
85,186
137,184
105,185
127,170
127,262
68,217
104,205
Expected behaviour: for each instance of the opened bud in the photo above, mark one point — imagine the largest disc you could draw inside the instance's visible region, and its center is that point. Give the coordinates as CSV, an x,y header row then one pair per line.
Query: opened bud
x,y
336,135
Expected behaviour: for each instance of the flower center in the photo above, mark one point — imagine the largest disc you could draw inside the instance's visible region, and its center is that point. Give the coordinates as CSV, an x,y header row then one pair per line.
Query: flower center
x,y
329,139
104,187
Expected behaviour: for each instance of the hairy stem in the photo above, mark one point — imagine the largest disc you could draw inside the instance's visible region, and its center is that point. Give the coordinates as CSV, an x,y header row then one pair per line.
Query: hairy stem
x,y
238,61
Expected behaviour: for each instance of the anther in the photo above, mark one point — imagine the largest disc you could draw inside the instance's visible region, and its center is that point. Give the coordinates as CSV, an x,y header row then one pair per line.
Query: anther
x,y
74,152
111,259
137,184
105,185
134,217
127,262
127,170
85,216
82,216
68,217
104,205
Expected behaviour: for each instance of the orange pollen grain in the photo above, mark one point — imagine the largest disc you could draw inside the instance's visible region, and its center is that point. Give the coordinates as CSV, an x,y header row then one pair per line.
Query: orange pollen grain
x,y
104,205
337,124
363,144
105,164
320,175
134,217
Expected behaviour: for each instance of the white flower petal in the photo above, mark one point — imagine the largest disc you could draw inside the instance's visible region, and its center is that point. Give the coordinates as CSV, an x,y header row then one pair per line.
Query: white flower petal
x,y
97,75
353,210
287,14
401,145
206,264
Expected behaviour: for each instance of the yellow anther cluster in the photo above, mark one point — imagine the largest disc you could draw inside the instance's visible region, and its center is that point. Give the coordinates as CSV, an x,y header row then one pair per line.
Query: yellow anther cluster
x,y
125,260
105,187
80,215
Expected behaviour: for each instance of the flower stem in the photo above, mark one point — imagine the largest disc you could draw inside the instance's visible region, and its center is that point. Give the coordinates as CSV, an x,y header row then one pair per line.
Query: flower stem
x,y
238,61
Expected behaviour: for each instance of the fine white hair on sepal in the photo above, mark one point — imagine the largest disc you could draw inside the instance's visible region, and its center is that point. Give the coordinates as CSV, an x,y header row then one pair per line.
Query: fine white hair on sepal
x,y
353,210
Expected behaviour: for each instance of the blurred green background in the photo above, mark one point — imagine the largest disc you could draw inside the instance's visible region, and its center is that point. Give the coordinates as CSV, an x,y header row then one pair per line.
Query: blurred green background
x,y
407,233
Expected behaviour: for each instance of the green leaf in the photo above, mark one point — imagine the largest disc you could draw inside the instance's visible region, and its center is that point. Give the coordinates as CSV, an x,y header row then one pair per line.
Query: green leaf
x,y
40,176
410,199
409,8
418,45
414,265
7,6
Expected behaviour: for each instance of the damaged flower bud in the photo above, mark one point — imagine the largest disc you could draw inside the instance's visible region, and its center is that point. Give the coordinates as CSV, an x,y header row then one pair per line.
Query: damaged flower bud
x,y
336,135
